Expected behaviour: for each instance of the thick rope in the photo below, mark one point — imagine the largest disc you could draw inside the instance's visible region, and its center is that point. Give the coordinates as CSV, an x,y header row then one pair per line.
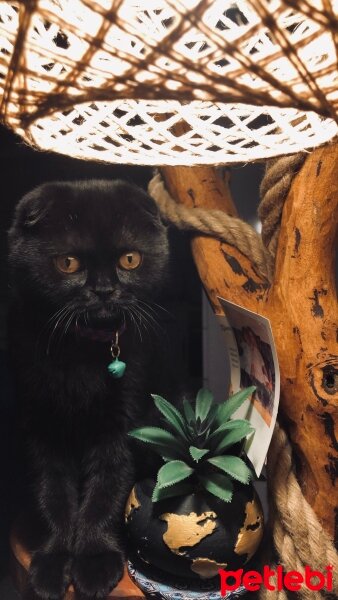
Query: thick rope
x,y
298,536
274,189
215,223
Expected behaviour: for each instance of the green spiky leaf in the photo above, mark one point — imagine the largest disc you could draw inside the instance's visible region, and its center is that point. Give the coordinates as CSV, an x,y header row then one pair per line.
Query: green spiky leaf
x,y
178,489
233,466
211,416
171,413
232,437
218,485
204,400
197,453
188,411
191,432
157,437
173,472
227,408
168,453
229,426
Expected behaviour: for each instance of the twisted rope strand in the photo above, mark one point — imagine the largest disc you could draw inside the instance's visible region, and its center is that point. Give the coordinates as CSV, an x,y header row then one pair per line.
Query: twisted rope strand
x,y
214,223
273,191
297,534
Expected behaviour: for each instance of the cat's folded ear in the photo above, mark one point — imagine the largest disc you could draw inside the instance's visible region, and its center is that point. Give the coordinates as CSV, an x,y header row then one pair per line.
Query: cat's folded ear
x,y
153,210
32,209
149,206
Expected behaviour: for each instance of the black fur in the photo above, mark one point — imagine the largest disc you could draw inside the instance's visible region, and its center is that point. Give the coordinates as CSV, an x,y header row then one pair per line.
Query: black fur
x,y
74,415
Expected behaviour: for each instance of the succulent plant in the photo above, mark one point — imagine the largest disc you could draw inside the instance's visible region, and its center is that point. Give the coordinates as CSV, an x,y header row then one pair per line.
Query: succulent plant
x,y
196,446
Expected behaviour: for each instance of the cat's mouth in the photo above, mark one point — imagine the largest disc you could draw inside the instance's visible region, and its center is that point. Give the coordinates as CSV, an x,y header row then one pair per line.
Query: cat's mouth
x,y
104,317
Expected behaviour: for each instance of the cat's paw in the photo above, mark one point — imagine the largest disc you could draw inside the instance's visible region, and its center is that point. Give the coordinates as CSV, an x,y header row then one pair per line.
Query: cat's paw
x,y
49,575
95,576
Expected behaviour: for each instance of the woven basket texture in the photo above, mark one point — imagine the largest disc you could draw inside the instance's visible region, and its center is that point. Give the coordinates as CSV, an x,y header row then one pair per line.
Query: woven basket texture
x,y
170,82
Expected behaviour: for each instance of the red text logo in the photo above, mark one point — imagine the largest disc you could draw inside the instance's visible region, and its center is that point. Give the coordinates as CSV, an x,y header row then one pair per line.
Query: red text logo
x,y
276,579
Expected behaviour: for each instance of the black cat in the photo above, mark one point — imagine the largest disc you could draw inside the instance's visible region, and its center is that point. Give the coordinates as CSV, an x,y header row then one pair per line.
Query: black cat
x,y
88,262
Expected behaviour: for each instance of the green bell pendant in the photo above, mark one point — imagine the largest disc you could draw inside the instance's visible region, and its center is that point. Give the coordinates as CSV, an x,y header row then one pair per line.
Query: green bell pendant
x,y
117,368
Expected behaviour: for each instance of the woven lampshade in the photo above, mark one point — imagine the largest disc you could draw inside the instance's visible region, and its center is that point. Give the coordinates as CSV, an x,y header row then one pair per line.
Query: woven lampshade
x,y
170,82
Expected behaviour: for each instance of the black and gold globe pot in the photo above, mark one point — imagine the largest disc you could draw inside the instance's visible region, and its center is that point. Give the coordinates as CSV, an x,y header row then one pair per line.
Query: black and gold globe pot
x,y
194,535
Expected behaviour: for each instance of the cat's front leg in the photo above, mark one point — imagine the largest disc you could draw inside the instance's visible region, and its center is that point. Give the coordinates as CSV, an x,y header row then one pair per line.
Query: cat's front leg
x,y
54,512
99,548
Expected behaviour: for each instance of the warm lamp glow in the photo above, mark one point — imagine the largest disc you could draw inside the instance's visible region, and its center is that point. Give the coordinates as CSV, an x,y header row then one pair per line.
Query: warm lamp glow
x,y
170,82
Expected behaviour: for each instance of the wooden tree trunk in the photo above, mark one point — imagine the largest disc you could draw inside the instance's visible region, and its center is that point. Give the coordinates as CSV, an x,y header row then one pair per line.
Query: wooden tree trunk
x,y
301,304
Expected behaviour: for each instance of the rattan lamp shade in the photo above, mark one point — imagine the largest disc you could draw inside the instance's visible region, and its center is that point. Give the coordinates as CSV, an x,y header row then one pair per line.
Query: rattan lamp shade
x,y
170,82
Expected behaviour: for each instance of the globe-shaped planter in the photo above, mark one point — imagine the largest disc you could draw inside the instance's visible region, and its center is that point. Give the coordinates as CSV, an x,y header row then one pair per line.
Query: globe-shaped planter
x,y
195,535
201,514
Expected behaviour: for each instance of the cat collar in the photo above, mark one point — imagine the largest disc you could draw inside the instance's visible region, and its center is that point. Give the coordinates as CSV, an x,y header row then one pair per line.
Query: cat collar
x,y
117,367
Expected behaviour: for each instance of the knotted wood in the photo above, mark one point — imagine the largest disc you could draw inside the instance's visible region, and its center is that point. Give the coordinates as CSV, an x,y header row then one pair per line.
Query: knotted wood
x,y
301,304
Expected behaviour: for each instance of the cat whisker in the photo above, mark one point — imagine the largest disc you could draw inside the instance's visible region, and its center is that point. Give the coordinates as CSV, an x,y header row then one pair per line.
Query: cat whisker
x,y
77,319
49,323
55,315
147,321
131,313
69,322
57,327
61,326
141,321
150,319
144,321
152,304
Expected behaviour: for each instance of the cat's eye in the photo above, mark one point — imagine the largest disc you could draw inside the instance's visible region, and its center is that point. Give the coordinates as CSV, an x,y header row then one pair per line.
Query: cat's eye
x,y
67,264
130,260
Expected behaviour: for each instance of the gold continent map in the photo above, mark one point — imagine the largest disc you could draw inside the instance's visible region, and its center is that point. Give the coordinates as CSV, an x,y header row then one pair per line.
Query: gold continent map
x,y
187,530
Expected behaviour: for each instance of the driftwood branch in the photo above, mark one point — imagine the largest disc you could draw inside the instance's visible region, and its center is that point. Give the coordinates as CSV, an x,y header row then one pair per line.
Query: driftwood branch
x,y
223,269
301,304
